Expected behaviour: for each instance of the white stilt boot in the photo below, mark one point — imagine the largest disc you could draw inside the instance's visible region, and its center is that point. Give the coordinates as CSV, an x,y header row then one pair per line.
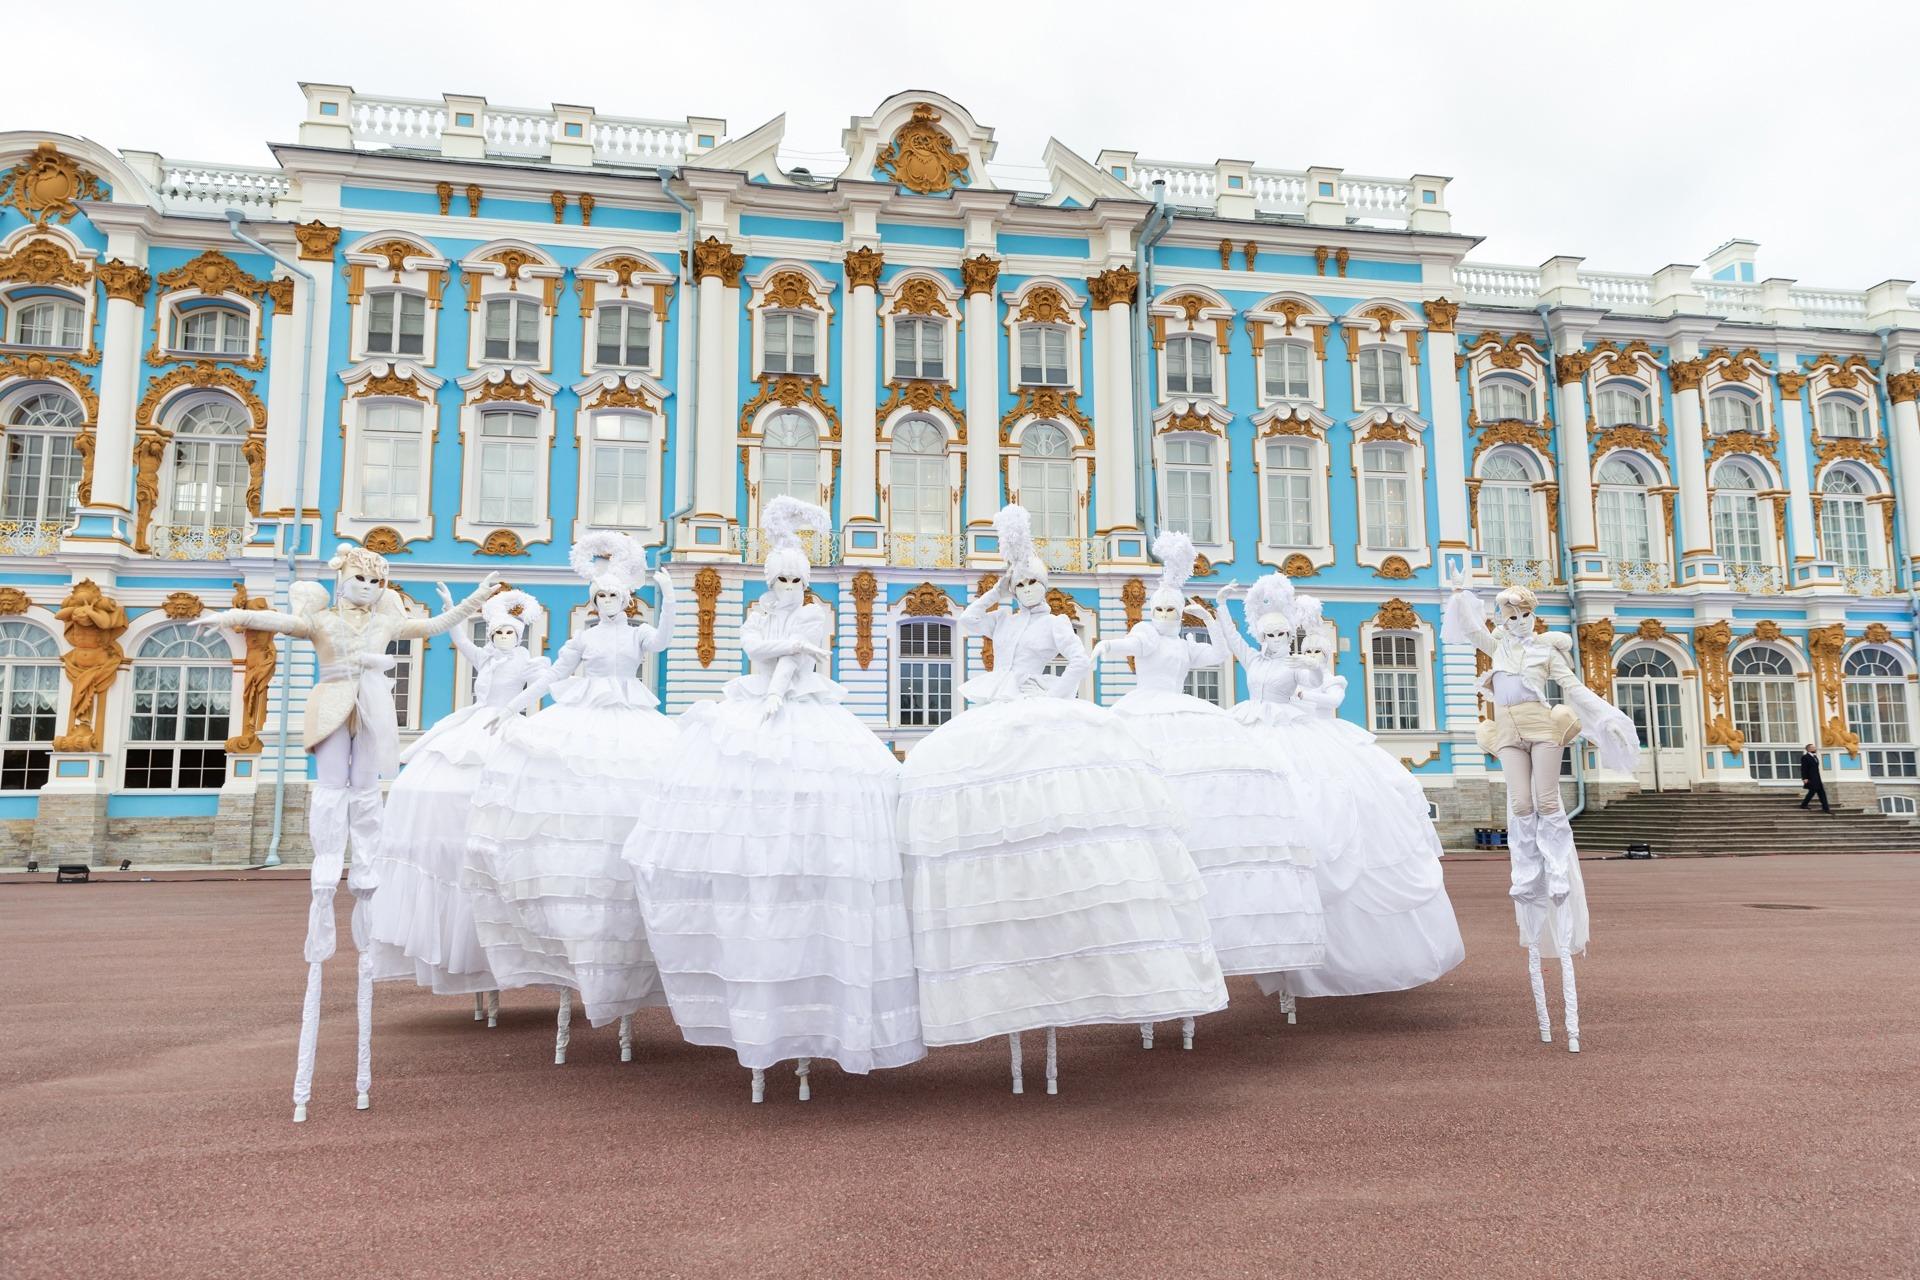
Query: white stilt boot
x,y
1186,1033
626,1037
801,1069
493,1008
365,811
563,1028
1539,995
327,832
1146,1035
759,1084
1053,1063
1013,1048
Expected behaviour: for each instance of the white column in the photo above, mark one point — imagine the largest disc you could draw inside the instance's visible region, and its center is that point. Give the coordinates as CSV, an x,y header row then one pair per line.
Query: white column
x,y
283,404
981,274
1576,465
119,380
321,389
1449,432
1690,457
1113,452
713,482
1903,389
1793,443
858,445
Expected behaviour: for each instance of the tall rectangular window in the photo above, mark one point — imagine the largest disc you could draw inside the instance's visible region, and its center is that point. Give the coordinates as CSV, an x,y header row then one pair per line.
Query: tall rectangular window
x,y
507,468
622,450
1383,378
918,347
1043,355
513,330
396,323
1189,485
791,343
1286,371
1395,674
1386,497
623,336
925,667
1290,484
390,449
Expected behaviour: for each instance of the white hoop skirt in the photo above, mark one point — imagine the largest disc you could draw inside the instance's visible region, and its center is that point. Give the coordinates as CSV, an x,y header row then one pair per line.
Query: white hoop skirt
x,y
1390,924
769,877
422,916
553,899
1243,828
1046,880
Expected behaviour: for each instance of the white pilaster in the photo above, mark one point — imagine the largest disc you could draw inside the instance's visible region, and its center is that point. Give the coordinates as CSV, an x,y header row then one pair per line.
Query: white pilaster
x,y
1904,388
113,433
283,405
983,393
1793,444
1697,560
1113,445
859,456
1449,439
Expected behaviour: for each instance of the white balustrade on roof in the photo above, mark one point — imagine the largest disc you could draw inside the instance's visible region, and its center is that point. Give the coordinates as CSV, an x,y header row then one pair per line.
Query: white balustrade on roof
x,y
1277,191
518,132
185,187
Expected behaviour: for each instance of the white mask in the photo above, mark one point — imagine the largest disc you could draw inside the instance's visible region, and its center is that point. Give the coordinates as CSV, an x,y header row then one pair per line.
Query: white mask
x,y
787,592
608,605
1032,594
503,638
362,591
1166,619
1519,625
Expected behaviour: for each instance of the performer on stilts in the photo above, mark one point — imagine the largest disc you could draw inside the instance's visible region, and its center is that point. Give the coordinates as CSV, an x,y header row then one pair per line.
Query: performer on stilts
x,y
1528,733
1242,803
422,917
1047,883
768,870
354,736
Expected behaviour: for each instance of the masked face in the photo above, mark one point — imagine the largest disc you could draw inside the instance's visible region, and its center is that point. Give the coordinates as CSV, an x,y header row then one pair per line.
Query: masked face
x,y
608,605
359,589
787,591
1275,640
1031,593
503,637
1166,619
1518,623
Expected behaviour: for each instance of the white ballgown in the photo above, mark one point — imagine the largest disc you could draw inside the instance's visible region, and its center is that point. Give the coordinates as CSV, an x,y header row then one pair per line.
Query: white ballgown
x,y
422,914
557,799
1390,924
1242,805
768,870
1046,880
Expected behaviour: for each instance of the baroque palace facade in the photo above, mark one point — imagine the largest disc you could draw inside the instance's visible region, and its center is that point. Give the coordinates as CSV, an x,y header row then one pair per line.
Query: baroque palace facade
x,y
480,332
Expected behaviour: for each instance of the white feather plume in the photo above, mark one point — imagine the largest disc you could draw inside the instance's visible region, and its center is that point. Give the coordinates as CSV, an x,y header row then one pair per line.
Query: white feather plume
x,y
1272,594
1015,529
1177,557
498,610
624,558
785,517
1305,611
306,597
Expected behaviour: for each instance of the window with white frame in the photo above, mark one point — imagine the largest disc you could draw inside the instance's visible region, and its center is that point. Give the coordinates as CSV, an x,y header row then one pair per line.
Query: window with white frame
x,y
210,472
56,323
1187,479
790,459
1189,358
1209,684
396,322
44,466
1730,410
1386,486
29,696
918,490
622,458
1505,399
1841,416
792,342
512,330
923,663
1622,404
1506,508
1876,696
919,347
1383,375
509,441
1765,714
406,683
623,336
392,459
182,695
1046,480
1394,672
1043,355
1843,518
1620,502
1286,369
212,330
1736,513
1291,484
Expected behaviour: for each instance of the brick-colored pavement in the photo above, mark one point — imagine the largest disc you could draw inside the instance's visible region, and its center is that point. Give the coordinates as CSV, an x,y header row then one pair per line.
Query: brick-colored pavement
x,y
1746,1104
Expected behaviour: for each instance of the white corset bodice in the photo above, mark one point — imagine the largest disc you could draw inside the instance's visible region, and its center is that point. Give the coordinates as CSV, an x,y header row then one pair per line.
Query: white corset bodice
x,y
504,674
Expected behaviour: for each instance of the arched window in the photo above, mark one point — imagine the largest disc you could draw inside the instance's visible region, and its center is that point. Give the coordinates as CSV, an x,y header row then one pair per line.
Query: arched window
x,y
1843,518
513,330
1647,687
919,347
919,492
790,459
1394,671
182,688
1506,508
792,343
1043,355
1286,370
392,450
623,336
212,330
1736,514
1841,416
1189,365
1502,399
622,454
43,466
1388,523
1046,480
1291,485
1621,503
508,440
1732,411
1620,404
51,322
1764,712
1383,375
210,472
29,695
1188,477
396,322
923,665
1876,691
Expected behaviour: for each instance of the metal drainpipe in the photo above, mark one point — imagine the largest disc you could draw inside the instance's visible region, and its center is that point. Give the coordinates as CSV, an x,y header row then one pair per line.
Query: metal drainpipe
x,y
1158,223
689,432
1573,607
234,220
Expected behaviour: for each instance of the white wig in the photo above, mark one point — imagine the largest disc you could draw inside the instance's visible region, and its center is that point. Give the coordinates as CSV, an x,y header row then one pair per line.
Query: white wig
x,y
1271,597
351,557
783,519
1517,597
1177,558
1015,529
514,609
624,562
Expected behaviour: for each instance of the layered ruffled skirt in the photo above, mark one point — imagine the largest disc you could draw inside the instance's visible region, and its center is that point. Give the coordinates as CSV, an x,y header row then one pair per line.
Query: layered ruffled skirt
x,y
1047,883
553,899
422,916
1390,924
770,880
1244,828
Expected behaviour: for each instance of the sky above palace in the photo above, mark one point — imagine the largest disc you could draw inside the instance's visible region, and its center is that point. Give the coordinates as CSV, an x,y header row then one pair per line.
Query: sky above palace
x,y
1632,134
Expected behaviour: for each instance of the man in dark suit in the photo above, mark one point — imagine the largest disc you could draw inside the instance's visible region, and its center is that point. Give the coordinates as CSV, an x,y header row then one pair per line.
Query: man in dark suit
x,y
1810,779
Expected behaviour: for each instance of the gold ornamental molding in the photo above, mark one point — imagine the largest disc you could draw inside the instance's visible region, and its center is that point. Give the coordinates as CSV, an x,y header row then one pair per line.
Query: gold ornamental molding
x,y
1686,374
1829,450
1115,287
1651,629
1045,305
47,186
1710,646
1396,615
621,396
1395,568
1596,653
1290,423
1877,633
47,368
1044,402
1845,374
44,262
1633,437
1745,442
503,542
1299,565
391,384
715,257
182,605
201,374
1824,647
261,661
443,191
920,296
1572,366
1515,432
1062,604
866,588
920,396
13,601
94,623
317,240
1504,353
1902,388
928,601
863,267
211,274
1441,314
788,390
122,281
921,156
789,291
1792,384
706,596
383,540
506,390
979,274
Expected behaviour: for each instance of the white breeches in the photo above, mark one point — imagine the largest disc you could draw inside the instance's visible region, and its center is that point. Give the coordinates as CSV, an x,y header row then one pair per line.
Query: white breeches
x,y
336,763
1532,771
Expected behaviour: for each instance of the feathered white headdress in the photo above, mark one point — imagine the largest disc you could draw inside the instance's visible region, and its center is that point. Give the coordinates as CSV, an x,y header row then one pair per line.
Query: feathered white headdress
x,y
351,557
624,561
514,609
1305,613
1271,595
1177,558
1015,530
783,519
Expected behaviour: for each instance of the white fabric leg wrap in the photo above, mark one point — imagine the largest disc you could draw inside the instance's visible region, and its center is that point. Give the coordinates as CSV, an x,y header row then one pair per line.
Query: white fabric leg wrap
x,y
1539,985
309,1038
327,832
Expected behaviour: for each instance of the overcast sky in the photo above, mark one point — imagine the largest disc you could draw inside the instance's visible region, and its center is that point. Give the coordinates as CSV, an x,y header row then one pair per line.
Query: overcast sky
x,y
1632,134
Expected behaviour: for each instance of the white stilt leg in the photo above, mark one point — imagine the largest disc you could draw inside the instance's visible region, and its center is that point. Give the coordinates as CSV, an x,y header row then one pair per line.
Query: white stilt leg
x,y
1146,1035
363,1069
563,1033
759,1085
1186,1033
626,1037
493,1008
800,1069
479,1005
309,1041
1287,1006
1539,995
1053,1063
1570,998
1013,1047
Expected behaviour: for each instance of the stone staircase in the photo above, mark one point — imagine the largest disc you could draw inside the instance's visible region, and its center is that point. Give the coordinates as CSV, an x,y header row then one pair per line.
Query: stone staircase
x,y
1725,822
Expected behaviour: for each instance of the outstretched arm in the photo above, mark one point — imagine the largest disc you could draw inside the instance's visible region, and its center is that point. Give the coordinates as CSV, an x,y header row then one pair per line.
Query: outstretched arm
x,y
662,635
441,623
1603,724
286,624
1226,635
1127,646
